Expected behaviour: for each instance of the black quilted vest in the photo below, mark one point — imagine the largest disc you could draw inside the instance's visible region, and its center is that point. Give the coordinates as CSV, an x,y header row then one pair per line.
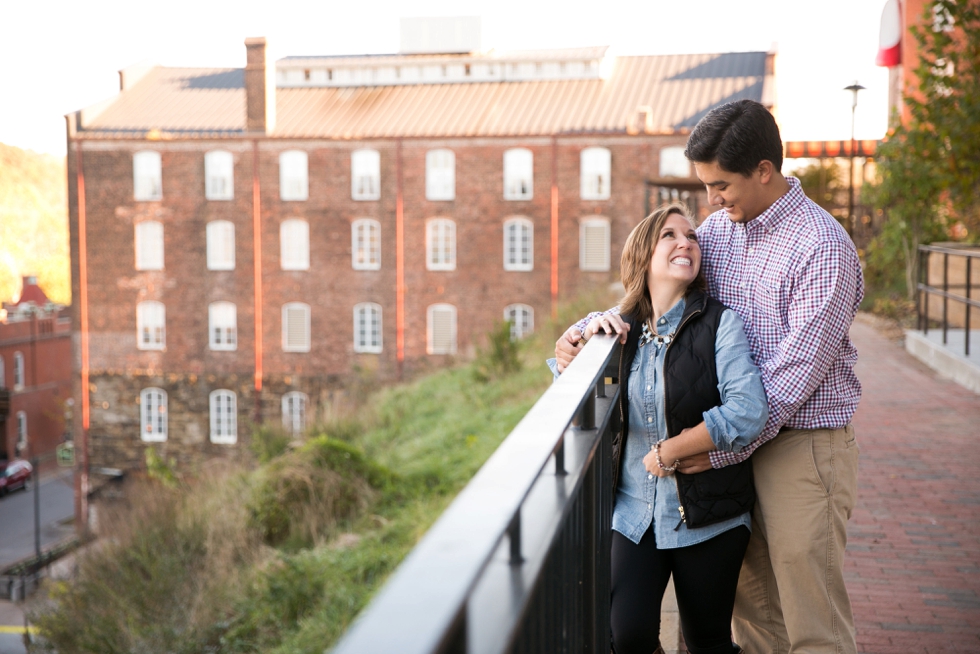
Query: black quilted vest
x,y
690,389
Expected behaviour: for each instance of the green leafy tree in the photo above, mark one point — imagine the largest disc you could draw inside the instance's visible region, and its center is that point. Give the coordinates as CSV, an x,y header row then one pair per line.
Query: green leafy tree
x,y
929,168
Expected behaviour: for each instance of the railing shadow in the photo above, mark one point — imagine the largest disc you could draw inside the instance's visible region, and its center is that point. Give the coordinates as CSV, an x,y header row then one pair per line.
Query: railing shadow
x,y
940,283
519,562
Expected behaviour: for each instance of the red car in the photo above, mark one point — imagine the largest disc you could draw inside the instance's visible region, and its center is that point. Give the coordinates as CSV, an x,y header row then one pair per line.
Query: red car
x,y
13,475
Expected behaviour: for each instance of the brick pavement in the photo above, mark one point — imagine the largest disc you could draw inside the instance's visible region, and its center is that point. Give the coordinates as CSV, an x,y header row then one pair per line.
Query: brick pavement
x,y
913,554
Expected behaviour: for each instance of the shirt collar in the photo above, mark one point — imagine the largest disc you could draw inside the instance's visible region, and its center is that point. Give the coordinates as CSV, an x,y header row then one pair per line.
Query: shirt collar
x,y
770,219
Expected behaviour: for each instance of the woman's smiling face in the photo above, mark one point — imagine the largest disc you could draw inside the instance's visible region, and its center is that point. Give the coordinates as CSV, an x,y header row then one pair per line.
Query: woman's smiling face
x,y
676,257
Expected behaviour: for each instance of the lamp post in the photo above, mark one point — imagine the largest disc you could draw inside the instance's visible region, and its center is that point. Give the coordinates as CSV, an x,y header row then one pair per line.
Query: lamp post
x,y
853,88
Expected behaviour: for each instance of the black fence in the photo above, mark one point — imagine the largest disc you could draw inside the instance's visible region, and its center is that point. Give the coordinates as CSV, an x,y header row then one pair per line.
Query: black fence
x,y
520,561
947,283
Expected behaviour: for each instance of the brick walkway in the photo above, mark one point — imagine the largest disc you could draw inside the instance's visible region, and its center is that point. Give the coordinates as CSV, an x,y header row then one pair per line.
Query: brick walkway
x,y
913,561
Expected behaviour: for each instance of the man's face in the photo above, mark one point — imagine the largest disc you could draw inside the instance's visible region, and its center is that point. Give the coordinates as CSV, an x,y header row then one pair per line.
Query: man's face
x,y
743,198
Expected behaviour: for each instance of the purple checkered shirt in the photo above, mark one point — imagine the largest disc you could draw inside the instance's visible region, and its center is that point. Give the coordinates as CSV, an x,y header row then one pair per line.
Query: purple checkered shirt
x,y
794,277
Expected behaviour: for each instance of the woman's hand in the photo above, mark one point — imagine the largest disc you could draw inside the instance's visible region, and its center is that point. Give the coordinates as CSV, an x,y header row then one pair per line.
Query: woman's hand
x,y
610,323
650,462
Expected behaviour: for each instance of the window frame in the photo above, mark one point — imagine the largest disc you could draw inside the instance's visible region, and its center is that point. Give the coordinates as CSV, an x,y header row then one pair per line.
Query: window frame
x,y
668,162
430,345
518,166
595,163
519,330
368,317
20,371
217,235
369,244
141,324
447,244
440,180
147,176
286,325
219,165
512,245
217,434
229,330
144,234
3,374
289,419
21,431
153,435
294,238
365,163
583,229
294,176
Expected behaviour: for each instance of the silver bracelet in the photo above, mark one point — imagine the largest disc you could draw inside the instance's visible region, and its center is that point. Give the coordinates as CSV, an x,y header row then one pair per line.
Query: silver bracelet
x,y
660,464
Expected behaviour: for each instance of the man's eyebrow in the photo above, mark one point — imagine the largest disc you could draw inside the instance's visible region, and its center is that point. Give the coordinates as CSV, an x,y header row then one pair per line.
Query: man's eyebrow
x,y
718,183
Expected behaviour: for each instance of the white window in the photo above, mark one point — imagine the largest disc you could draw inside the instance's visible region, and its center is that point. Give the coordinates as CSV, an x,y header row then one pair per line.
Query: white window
x,y
594,244
365,175
518,244
224,417
295,327
223,326
521,318
440,244
147,176
221,245
18,371
518,174
365,237
367,327
149,245
153,415
673,163
294,244
596,167
293,177
294,412
219,175
3,375
151,318
440,175
441,329
21,431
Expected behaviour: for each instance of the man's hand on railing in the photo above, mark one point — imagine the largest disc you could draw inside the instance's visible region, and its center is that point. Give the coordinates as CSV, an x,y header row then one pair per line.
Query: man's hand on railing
x,y
572,341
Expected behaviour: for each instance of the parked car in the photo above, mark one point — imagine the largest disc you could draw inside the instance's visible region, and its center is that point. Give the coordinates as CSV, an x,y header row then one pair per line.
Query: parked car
x,y
13,475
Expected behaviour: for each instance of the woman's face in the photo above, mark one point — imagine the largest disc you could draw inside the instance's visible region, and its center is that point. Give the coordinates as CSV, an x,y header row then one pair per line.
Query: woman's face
x,y
676,257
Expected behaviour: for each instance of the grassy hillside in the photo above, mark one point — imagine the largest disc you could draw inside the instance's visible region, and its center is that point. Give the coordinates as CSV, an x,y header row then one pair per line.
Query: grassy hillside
x,y
278,557
33,223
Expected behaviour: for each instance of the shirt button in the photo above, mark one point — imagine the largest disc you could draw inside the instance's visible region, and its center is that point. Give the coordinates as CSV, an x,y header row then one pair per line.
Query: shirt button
x,y
649,506
649,418
649,387
649,476
663,321
751,250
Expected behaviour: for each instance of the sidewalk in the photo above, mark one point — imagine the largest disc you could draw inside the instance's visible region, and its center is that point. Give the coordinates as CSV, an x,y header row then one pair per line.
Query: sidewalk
x,y
913,553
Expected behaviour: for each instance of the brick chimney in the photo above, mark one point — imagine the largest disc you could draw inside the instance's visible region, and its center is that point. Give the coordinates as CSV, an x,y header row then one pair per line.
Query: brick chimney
x,y
260,88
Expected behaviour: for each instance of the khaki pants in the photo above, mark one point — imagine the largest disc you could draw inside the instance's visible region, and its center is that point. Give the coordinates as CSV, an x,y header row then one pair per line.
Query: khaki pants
x,y
791,597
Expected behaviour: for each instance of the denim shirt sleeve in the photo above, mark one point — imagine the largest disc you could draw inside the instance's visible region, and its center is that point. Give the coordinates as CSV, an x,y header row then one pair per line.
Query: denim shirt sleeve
x,y
744,411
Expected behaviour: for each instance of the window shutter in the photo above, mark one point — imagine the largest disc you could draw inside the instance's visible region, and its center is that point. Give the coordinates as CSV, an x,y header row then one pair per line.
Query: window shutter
x,y
594,245
442,329
296,327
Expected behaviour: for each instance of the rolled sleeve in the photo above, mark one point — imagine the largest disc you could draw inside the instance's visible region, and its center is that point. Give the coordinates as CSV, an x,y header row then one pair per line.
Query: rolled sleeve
x,y
743,412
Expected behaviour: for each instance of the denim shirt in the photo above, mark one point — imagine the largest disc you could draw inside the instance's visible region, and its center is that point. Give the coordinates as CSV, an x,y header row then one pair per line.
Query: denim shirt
x,y
644,499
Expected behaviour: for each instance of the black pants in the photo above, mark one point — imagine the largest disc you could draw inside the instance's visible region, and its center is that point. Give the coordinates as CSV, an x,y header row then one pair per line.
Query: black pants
x,y
705,577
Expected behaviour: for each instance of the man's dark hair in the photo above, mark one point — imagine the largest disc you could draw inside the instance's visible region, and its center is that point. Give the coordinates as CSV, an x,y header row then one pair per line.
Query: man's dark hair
x,y
737,136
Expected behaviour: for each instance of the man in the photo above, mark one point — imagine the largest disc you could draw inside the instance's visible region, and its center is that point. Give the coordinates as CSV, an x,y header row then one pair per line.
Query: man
x,y
793,275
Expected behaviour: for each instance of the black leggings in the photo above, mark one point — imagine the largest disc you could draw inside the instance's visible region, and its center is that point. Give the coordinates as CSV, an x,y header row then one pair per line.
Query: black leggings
x,y
705,576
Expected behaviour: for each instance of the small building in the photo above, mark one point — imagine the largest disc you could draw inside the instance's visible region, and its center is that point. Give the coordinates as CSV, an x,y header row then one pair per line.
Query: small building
x,y
247,239
35,374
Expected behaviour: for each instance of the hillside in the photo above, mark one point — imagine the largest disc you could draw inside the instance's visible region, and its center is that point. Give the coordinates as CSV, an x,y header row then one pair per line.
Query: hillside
x,y
33,223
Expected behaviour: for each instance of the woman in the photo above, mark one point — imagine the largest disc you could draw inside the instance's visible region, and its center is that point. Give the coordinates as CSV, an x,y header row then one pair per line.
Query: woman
x,y
690,387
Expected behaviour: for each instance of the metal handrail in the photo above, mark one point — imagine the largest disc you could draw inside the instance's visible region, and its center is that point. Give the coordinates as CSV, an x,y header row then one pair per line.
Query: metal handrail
x,y
925,290
519,562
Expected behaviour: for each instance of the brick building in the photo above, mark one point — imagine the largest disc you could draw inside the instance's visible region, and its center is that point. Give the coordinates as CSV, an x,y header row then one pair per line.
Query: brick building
x,y
35,374
243,239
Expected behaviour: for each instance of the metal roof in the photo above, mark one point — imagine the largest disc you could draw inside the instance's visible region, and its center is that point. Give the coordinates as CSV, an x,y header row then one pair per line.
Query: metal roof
x,y
677,90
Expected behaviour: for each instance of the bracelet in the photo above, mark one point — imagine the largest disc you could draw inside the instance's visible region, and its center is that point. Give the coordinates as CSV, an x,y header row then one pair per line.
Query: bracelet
x,y
660,464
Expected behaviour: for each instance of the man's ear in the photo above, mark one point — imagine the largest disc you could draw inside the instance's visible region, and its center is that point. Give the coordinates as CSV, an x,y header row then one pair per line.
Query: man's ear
x,y
766,169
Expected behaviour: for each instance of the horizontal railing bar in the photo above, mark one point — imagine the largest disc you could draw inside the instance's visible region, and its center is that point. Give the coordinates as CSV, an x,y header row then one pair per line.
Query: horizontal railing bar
x,y
502,594
932,290
973,254
414,610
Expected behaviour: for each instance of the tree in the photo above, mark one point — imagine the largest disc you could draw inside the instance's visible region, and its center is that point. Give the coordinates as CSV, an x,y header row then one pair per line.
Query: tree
x,y
929,169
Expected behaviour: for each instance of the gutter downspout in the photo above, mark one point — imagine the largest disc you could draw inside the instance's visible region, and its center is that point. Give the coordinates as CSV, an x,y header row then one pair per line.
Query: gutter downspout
x,y
554,227
257,267
399,262
82,485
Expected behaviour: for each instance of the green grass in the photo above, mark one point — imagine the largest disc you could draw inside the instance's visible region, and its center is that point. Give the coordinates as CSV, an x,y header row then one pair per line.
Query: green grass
x,y
281,557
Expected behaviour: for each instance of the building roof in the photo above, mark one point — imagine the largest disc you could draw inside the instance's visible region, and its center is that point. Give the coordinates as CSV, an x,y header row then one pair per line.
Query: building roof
x,y
655,94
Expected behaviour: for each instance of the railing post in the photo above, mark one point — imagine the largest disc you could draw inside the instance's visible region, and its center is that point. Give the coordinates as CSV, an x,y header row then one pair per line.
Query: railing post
x,y
925,290
514,536
967,308
945,294
560,458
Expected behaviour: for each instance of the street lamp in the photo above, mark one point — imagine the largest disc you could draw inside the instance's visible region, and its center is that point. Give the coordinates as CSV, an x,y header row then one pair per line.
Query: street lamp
x,y
853,88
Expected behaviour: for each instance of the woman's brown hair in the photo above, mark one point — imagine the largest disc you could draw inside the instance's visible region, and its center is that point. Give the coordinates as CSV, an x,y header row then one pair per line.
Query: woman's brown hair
x,y
636,262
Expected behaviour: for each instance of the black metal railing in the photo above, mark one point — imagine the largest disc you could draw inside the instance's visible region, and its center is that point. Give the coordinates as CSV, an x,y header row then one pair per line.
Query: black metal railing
x,y
961,289
519,562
